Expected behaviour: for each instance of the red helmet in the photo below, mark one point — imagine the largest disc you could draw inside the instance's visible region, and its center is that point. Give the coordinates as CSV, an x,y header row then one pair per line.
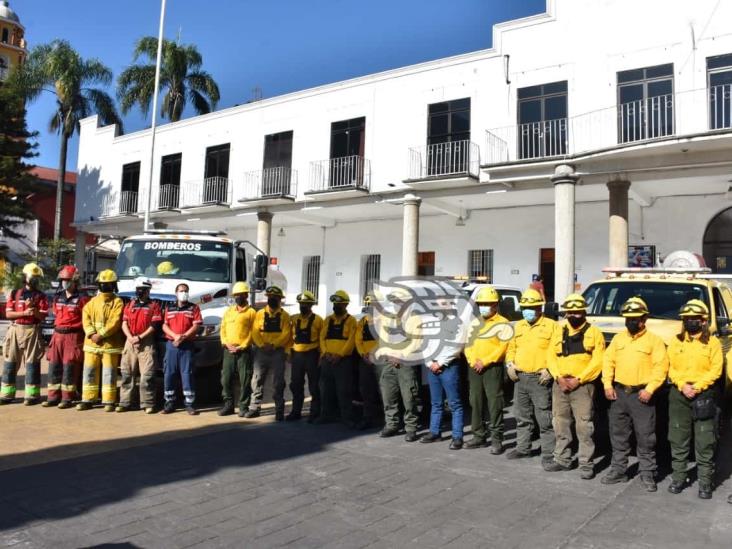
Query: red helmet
x,y
69,272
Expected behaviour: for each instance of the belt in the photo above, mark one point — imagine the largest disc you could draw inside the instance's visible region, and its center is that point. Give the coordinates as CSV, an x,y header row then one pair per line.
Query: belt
x,y
25,326
534,374
63,330
629,389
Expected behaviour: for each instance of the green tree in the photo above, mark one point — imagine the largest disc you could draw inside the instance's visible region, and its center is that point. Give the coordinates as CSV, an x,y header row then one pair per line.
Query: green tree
x,y
50,256
59,69
181,80
16,148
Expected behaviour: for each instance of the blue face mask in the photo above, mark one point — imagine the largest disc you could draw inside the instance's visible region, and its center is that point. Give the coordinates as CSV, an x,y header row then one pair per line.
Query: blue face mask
x,y
485,310
529,315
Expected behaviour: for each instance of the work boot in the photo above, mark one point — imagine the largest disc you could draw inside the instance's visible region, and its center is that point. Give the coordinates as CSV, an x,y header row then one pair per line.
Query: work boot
x,y
456,444
109,407
84,406
552,466
429,437
280,415
705,490
497,448
475,442
614,477
31,401
676,486
64,404
411,436
4,401
121,409
251,414
649,483
387,432
191,411
312,418
227,409
515,454
169,408
587,473
293,416
50,403
150,410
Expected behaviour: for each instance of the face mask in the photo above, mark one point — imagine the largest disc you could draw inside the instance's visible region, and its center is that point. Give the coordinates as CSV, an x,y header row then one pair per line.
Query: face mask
x,y
305,309
633,325
65,284
693,326
273,302
485,310
182,296
33,282
141,294
529,315
106,287
240,300
576,321
339,309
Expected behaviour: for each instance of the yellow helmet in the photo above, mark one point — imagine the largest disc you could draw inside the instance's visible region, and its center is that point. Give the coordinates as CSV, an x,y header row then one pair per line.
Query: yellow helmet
x,y
167,268
340,296
306,297
634,308
32,269
487,294
240,288
531,298
274,291
694,307
107,275
574,303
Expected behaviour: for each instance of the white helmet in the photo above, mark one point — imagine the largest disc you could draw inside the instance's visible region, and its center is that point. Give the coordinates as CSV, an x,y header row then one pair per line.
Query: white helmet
x,y
143,282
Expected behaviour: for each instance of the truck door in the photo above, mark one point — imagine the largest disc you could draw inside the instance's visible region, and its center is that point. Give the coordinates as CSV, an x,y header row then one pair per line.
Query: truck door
x,y
240,266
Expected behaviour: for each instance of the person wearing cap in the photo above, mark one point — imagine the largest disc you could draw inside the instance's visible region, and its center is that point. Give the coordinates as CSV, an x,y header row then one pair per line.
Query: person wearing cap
x,y
182,321
271,335
236,339
695,366
486,354
526,365
337,342
634,367
103,345
575,362
304,357
64,351
141,319
369,369
27,307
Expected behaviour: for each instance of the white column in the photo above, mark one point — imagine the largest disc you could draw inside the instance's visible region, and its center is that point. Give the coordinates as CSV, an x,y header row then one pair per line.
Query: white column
x,y
564,181
618,228
80,253
410,235
264,231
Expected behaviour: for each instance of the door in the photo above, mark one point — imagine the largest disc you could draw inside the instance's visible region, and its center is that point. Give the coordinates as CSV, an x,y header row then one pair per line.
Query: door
x,y
347,145
277,163
448,137
542,112
546,270
426,264
216,183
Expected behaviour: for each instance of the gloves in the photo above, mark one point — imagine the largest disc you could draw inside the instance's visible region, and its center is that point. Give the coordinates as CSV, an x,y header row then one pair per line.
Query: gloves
x,y
545,377
511,371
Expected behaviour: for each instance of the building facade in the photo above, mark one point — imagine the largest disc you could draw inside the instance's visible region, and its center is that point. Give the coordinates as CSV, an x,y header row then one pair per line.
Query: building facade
x,y
591,134
13,48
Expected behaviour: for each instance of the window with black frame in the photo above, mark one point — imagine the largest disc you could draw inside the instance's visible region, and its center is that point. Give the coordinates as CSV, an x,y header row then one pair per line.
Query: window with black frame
x,y
216,182
719,83
542,120
448,137
130,187
276,173
347,145
645,103
170,166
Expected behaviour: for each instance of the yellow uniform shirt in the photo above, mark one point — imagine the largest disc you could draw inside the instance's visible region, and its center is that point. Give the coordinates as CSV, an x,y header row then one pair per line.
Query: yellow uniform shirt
x,y
365,341
103,316
530,344
488,350
236,326
268,331
691,361
635,360
585,366
303,340
338,335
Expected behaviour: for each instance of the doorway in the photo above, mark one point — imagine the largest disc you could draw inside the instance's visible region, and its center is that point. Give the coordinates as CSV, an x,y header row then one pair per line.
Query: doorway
x,y
426,264
717,247
546,271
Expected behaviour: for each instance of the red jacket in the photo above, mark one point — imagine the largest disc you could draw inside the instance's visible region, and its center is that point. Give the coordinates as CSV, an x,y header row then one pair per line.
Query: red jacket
x,y
22,299
68,310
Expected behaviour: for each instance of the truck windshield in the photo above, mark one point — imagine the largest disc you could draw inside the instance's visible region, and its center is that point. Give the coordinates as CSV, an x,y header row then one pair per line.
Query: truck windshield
x,y
195,260
664,299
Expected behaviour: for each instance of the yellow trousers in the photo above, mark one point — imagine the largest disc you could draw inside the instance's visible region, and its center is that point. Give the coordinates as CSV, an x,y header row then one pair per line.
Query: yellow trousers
x,y
98,365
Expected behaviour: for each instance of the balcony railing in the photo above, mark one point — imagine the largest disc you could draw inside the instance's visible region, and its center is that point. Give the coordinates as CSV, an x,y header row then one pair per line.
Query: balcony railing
x,y
453,158
346,172
128,202
720,107
211,191
270,183
168,197
648,118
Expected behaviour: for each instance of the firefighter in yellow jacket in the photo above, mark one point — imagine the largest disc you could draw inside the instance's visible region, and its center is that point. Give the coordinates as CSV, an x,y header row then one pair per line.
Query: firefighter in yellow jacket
x,y
102,322
304,357
369,369
575,362
337,342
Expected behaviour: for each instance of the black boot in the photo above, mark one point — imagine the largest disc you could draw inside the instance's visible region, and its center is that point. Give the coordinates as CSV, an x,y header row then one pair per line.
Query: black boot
x,y
227,409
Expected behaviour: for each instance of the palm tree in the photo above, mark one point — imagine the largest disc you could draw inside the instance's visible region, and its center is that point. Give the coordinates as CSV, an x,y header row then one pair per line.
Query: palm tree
x,y
181,80
59,69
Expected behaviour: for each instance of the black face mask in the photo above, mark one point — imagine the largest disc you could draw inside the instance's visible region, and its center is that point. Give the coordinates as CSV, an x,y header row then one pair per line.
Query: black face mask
x,y
633,325
34,282
142,294
576,321
693,326
339,309
273,302
106,287
240,300
305,309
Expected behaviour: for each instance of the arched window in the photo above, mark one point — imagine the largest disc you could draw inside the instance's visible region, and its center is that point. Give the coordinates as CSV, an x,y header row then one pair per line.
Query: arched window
x,y
718,242
6,36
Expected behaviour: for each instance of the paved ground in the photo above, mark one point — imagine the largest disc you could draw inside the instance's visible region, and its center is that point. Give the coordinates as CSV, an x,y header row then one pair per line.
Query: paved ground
x,y
71,479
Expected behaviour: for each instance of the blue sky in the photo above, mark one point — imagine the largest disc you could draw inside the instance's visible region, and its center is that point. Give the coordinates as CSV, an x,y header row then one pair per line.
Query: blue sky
x,y
279,46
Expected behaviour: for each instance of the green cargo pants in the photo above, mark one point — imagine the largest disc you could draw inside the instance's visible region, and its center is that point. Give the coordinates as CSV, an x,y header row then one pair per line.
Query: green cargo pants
x,y
336,389
400,382
237,364
486,387
681,427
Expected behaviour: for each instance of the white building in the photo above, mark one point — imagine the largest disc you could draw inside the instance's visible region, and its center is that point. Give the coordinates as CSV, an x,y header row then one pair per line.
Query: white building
x,y
594,126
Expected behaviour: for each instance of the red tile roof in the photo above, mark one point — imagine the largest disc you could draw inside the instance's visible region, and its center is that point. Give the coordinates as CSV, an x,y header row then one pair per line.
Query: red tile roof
x,y
51,174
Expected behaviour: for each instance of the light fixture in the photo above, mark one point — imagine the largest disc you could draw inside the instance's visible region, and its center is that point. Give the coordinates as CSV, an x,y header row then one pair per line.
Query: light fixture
x,y
460,222
281,232
496,191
